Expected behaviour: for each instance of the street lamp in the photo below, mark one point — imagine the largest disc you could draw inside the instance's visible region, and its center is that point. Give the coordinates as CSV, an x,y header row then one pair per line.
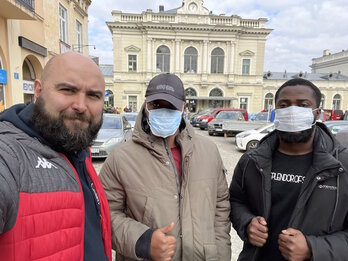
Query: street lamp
x,y
78,47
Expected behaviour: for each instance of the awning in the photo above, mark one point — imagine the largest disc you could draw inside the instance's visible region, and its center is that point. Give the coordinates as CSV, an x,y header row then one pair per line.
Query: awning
x,y
213,98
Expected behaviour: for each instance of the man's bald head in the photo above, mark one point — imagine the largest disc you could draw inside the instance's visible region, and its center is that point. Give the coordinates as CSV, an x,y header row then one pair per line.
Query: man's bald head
x,y
69,57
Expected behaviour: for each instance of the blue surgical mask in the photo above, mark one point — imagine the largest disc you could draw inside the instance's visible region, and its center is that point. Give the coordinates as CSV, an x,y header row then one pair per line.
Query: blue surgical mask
x,y
164,122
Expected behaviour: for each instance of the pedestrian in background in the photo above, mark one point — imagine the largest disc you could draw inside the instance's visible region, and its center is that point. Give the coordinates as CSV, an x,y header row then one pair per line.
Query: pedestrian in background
x,y
167,187
52,204
289,195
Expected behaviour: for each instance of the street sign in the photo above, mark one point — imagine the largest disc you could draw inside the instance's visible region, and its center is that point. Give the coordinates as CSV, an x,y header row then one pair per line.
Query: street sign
x,y
3,76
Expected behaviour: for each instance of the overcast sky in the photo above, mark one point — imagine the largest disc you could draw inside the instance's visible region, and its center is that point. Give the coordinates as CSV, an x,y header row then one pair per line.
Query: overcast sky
x,y
302,29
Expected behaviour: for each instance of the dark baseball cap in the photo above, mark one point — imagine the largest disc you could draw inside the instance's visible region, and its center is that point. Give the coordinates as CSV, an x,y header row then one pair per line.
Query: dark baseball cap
x,y
166,87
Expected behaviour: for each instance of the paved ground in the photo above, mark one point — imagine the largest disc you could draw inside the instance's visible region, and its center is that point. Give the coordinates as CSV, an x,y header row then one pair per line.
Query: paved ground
x,y
230,156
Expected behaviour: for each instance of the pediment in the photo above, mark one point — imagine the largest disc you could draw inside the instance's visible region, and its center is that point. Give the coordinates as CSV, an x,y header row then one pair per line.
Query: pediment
x,y
132,48
247,53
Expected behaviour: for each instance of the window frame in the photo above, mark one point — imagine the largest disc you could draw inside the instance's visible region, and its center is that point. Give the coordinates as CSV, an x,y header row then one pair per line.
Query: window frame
x,y
215,58
191,62
134,63
244,66
79,36
63,24
161,57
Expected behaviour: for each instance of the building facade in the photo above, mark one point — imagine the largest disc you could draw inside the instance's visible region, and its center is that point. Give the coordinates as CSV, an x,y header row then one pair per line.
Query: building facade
x,y
32,32
331,63
333,87
219,58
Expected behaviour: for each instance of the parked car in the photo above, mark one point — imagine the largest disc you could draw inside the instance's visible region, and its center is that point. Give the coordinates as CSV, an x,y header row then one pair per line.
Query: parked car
x,y
334,114
264,116
324,116
345,116
131,118
250,139
342,137
336,126
194,120
114,131
215,125
205,119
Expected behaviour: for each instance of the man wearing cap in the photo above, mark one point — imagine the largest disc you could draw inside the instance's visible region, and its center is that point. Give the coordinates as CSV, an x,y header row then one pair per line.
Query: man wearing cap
x,y
166,187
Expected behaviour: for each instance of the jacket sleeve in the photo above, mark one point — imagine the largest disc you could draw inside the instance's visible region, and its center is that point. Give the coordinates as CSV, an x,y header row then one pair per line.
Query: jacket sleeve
x,y
222,222
329,247
125,231
9,195
240,215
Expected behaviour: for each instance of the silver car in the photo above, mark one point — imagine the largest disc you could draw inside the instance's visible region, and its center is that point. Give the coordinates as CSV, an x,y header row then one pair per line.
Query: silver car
x,y
131,118
114,131
215,125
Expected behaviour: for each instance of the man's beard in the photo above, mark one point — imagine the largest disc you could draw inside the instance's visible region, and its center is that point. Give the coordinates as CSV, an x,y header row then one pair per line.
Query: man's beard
x,y
295,137
59,135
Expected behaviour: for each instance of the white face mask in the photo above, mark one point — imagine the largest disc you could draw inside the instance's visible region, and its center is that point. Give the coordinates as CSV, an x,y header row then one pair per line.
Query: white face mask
x,y
294,119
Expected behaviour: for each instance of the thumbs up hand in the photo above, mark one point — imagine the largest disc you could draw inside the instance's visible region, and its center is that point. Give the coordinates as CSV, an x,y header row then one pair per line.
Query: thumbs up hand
x,y
162,245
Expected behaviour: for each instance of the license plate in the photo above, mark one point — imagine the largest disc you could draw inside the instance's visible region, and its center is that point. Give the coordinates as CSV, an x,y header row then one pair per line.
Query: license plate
x,y
94,150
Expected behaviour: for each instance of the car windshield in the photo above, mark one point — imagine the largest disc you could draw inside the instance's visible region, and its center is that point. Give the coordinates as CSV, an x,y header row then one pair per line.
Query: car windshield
x,y
261,116
228,115
131,117
111,123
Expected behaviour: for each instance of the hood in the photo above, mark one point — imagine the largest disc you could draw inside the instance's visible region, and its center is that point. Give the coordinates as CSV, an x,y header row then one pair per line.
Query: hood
x,y
143,136
325,148
20,116
106,134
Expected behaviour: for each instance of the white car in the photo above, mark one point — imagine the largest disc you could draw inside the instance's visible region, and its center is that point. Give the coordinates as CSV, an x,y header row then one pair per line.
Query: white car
x,y
250,139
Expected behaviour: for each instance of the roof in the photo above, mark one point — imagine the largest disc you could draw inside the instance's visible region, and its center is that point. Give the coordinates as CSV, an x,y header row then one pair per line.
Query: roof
x,y
107,69
308,76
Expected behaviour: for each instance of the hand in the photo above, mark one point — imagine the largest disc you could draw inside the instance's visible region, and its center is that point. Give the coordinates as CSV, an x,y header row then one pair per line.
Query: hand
x,y
258,231
293,245
162,246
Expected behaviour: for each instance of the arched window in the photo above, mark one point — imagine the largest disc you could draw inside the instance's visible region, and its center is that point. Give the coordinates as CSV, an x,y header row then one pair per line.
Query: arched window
x,y
268,101
217,60
109,98
190,60
214,103
336,102
28,71
322,101
189,92
163,59
191,104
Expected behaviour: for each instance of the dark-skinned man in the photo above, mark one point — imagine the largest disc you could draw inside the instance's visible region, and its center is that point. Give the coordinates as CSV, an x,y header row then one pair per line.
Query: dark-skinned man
x,y
289,196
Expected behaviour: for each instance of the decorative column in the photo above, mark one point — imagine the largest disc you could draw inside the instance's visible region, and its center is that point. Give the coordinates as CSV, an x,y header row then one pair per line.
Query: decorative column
x,y
177,55
232,58
149,54
205,57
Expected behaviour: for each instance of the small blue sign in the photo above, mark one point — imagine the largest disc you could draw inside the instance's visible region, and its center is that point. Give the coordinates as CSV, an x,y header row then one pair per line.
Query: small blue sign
x,y
3,76
106,94
16,76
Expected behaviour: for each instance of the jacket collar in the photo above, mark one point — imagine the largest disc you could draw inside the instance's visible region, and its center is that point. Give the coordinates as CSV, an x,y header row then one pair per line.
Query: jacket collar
x,y
325,150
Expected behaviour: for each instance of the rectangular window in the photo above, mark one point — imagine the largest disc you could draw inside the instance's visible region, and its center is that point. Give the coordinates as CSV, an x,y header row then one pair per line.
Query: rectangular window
x,y
79,37
246,67
243,103
63,24
132,63
132,103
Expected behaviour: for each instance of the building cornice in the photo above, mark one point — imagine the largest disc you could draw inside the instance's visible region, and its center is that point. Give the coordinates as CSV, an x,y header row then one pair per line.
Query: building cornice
x,y
187,27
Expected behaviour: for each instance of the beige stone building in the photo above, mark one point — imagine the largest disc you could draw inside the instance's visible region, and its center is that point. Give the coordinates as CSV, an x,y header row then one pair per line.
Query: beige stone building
x,y
31,32
333,87
219,58
331,63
